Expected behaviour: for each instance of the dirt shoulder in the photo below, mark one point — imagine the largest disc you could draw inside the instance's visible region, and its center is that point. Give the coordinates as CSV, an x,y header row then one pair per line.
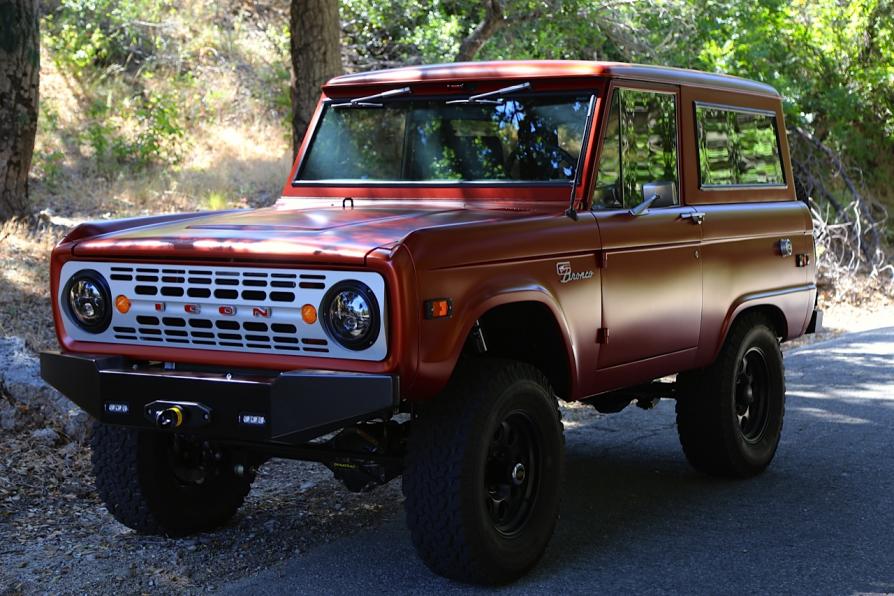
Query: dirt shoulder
x,y
874,311
57,537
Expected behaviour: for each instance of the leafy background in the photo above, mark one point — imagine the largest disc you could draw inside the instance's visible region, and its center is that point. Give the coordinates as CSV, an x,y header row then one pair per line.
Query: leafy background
x,y
163,105
150,76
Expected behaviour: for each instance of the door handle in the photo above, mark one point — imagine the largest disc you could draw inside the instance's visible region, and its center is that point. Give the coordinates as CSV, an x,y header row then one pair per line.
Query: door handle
x,y
696,217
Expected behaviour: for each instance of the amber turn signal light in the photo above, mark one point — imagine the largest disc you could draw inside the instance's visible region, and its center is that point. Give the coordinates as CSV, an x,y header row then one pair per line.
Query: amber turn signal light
x,y
438,308
309,314
122,303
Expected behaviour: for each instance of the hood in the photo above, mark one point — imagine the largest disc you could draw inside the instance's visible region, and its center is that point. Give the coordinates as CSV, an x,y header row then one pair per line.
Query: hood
x,y
285,231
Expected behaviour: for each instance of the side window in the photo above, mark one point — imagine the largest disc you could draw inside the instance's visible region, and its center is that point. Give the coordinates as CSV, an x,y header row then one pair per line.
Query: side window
x,y
737,147
639,150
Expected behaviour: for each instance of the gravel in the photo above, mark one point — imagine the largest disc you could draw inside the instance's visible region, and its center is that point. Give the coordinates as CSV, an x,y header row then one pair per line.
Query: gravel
x,y
20,378
57,537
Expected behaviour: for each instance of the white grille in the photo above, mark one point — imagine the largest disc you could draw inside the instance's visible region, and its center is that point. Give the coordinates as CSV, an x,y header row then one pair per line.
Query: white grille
x,y
223,308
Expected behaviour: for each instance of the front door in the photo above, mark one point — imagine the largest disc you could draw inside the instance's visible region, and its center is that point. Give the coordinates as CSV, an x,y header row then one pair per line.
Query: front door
x,y
651,276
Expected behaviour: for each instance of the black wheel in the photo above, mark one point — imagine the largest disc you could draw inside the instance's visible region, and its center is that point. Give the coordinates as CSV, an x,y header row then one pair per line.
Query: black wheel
x,y
484,471
729,415
160,483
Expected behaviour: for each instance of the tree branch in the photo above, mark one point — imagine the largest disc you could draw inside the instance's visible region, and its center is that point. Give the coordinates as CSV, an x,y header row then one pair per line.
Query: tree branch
x,y
493,21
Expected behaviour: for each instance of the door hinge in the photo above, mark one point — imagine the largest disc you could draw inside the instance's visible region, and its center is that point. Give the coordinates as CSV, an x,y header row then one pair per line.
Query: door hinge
x,y
602,335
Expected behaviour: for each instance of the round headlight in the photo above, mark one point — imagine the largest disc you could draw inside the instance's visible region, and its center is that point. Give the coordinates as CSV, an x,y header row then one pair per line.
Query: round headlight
x,y
88,301
350,315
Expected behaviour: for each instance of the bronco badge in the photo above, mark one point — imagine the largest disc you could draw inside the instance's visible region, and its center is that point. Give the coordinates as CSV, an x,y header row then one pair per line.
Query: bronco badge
x,y
563,268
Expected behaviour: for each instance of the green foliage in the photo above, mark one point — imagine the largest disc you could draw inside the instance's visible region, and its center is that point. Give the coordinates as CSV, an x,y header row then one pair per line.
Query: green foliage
x,y
833,60
110,48
157,138
47,165
161,132
85,33
216,201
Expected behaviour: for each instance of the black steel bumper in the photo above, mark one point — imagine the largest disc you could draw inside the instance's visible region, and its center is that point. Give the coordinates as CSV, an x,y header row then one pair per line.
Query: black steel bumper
x,y
286,408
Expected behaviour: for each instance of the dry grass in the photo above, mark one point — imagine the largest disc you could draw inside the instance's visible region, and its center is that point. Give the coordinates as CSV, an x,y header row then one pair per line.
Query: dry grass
x,y
230,166
226,66
227,164
226,63
24,294
866,306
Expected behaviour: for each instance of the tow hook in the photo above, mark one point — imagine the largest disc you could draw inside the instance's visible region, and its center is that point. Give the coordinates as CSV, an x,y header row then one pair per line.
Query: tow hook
x,y
169,415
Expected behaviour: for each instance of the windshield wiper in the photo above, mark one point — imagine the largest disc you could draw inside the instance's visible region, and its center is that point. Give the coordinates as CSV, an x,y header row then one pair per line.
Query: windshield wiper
x,y
499,93
367,101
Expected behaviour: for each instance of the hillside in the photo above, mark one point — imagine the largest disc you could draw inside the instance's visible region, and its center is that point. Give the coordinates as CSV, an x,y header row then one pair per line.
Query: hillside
x,y
152,106
186,110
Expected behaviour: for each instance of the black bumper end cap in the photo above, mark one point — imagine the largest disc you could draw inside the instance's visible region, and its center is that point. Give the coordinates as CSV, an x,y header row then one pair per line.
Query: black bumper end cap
x,y
816,321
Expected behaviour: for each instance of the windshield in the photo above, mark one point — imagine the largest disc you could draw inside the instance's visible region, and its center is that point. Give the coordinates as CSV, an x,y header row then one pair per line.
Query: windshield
x,y
520,139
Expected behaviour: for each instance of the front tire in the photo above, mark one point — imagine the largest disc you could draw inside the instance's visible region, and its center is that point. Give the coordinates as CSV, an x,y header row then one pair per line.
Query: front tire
x,y
160,483
484,472
729,415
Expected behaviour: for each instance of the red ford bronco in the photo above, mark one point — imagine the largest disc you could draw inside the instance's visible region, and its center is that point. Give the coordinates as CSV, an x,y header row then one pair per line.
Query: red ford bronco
x,y
456,248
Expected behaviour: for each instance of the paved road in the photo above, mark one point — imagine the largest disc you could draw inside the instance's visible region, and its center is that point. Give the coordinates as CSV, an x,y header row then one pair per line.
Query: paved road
x,y
636,519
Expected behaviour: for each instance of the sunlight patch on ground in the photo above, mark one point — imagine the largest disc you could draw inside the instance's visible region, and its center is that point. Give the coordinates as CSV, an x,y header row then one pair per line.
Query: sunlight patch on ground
x,y
855,354
831,416
873,391
807,394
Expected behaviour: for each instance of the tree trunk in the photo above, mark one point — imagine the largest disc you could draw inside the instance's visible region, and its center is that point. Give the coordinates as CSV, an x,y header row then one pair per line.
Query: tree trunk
x,y
19,73
316,57
493,21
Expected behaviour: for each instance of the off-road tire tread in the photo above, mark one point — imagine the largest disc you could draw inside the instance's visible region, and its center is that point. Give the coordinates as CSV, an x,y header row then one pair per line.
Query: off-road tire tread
x,y
705,441
116,459
435,457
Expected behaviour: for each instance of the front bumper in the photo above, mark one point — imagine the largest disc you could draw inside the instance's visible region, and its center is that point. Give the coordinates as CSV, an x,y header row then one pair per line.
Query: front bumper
x,y
286,408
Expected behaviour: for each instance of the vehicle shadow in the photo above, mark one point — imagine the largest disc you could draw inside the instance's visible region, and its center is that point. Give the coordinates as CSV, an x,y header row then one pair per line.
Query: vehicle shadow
x,y
646,524
636,517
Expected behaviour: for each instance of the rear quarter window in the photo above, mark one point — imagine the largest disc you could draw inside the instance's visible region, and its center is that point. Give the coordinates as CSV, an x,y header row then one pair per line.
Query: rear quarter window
x,y
737,147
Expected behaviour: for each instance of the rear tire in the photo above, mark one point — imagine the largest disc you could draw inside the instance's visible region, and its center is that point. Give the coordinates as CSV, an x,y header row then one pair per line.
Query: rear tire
x,y
159,483
730,414
484,470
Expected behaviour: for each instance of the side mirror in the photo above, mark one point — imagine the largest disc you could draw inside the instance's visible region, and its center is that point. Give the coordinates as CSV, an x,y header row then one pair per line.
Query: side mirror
x,y
665,189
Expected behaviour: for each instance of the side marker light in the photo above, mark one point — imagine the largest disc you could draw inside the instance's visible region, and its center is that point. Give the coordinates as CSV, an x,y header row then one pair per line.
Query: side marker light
x,y
438,308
